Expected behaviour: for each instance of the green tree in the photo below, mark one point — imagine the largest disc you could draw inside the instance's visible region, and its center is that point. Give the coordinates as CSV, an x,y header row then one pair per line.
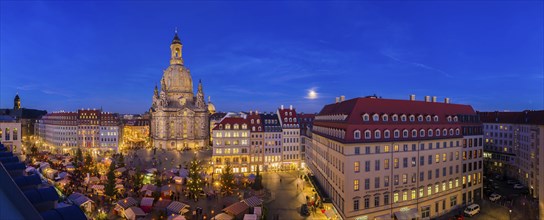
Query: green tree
x,y
110,183
87,163
195,182
227,180
79,157
34,150
137,179
121,160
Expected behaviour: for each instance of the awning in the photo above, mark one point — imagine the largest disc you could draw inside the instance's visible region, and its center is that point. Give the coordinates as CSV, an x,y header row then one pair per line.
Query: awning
x,y
253,201
127,202
407,214
236,208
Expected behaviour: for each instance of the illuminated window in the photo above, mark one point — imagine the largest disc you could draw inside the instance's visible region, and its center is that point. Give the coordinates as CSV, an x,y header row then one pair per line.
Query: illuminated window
x,y
356,166
404,196
443,186
420,192
386,148
413,194
437,158
396,148
386,164
444,157
450,184
429,190
396,163
395,197
436,188
355,185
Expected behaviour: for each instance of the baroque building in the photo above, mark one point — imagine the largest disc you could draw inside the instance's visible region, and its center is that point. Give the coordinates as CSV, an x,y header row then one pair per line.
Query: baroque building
x,y
179,119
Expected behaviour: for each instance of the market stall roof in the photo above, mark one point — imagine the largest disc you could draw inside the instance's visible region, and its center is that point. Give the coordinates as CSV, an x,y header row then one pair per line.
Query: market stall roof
x,y
97,187
236,208
167,188
258,211
147,201
223,216
162,203
127,202
120,170
253,201
177,207
133,212
148,187
250,217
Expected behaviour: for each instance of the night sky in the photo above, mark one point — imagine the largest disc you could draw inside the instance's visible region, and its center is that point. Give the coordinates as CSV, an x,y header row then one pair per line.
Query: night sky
x,y
258,56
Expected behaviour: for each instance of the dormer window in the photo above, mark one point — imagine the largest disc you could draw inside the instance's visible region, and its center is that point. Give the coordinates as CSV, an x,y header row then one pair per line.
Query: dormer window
x,y
451,131
367,134
430,133
420,118
376,117
396,133
366,117
405,133
236,126
290,119
412,118
457,131
290,114
437,132
295,119
252,128
285,113
357,134
244,126
377,134
385,118
435,118
252,121
449,118
414,133
403,118
444,132
428,118
395,117
422,133
386,134
259,128
227,126
258,121
455,118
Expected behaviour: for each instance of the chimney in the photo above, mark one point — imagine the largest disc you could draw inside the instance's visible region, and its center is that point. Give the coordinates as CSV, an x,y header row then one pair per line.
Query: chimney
x,y
337,99
412,97
434,98
281,107
447,100
342,98
290,107
250,112
427,98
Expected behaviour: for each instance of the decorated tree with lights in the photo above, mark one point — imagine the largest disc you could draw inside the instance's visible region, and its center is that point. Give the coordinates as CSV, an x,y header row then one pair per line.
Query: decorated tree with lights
x,y
227,180
110,184
120,160
195,182
78,158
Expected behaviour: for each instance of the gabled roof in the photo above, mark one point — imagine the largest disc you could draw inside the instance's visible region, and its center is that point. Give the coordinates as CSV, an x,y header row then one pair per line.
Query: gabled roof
x,y
231,122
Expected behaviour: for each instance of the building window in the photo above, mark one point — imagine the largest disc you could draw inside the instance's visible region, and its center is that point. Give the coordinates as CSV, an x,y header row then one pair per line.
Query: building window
x,y
404,178
15,134
377,182
412,118
405,162
395,197
422,133
425,212
414,133
396,180
428,118
421,192
429,190
366,117
376,201
367,184
386,199
405,196
367,166
356,166
367,134
385,118
386,149
357,150
377,134
403,118
445,132
355,185
357,134
396,134
375,117
367,203
386,134
395,118
356,205
386,164
396,163
430,133
377,165
405,133
457,131
437,132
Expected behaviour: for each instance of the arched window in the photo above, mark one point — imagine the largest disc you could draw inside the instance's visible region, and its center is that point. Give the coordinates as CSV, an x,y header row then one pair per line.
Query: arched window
x,y
430,133
422,133
403,118
386,134
437,132
367,134
377,134
290,119
405,133
375,117
412,118
455,118
451,131
428,118
294,119
385,117
395,117
420,118
445,132
414,133
285,119
396,133
290,113
366,117
457,131
357,134
449,118
252,128
259,128
252,121
285,113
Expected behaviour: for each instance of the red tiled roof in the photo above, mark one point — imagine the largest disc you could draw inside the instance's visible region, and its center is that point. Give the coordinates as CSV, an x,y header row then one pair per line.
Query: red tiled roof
x,y
287,116
257,123
232,121
524,117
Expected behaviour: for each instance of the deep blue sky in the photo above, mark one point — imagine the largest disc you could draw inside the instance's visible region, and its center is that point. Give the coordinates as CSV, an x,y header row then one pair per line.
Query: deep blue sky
x,y
65,56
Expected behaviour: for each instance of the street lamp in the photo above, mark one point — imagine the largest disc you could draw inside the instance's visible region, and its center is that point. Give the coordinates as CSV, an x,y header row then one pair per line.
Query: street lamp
x,y
510,214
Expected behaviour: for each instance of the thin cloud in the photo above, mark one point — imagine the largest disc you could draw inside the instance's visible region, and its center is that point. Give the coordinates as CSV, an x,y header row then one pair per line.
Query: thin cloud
x,y
416,64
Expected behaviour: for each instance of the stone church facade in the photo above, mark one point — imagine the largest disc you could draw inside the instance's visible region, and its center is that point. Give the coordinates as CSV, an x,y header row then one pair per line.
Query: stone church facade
x,y
179,118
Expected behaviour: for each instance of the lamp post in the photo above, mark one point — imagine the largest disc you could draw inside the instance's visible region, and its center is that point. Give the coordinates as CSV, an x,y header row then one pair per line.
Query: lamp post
x,y
510,214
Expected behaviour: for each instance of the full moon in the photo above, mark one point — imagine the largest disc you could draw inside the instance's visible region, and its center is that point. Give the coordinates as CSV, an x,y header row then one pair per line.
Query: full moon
x,y
312,94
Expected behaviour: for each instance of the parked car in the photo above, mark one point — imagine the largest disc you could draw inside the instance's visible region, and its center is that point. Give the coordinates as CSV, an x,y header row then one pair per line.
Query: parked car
x,y
518,186
304,211
494,197
511,182
472,210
